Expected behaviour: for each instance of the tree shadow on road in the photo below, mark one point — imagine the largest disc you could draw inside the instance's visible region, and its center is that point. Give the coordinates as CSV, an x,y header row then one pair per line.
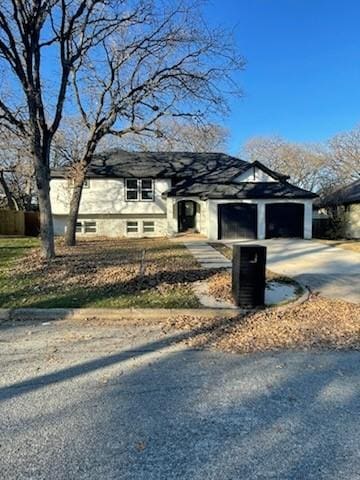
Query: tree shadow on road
x,y
167,412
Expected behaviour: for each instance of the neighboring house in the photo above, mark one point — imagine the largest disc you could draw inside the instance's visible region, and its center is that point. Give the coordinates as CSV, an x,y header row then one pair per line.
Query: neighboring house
x,y
345,204
164,193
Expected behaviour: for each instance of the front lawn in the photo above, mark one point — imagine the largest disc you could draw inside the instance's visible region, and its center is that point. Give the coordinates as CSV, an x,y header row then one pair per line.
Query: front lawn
x,y
11,248
116,273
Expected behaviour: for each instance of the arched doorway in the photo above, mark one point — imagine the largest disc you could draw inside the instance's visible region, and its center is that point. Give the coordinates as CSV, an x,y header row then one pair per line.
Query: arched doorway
x,y
186,215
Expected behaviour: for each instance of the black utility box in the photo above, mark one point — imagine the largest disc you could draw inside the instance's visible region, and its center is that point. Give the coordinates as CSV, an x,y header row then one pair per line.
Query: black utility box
x,y
248,275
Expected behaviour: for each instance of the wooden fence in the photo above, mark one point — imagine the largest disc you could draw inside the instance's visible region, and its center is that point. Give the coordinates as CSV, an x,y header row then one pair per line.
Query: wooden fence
x,y
13,222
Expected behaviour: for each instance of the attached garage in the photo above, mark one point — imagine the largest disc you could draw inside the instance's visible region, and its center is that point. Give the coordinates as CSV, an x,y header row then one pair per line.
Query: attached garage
x,y
237,220
284,220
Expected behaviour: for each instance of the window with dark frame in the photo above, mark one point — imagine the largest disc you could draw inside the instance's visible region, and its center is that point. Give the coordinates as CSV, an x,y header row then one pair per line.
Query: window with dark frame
x,y
132,191
78,227
146,188
137,189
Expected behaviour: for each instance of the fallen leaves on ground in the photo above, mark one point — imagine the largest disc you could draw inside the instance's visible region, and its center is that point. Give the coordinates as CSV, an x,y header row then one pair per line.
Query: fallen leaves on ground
x,y
353,245
219,284
120,265
316,323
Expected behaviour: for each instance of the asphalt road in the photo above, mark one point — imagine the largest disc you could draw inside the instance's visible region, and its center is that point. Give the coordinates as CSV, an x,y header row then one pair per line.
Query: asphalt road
x,y
80,401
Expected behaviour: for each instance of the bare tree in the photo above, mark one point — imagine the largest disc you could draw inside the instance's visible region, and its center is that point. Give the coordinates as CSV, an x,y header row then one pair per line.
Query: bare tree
x,y
16,171
307,165
165,64
173,135
10,202
16,175
344,157
36,35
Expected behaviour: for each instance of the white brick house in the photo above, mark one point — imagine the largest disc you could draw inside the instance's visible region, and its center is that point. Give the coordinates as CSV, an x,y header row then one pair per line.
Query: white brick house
x,y
157,194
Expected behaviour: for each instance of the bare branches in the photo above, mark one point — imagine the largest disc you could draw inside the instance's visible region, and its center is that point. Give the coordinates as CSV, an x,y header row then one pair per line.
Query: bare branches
x,y
159,63
344,156
16,171
59,33
322,168
179,134
130,63
305,164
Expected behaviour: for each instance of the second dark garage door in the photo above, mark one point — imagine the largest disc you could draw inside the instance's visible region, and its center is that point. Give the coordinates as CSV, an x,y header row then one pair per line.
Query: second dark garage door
x,y
237,220
285,220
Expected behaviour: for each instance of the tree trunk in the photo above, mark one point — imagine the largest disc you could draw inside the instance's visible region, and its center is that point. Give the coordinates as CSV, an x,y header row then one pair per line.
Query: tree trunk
x,y
70,236
46,222
9,198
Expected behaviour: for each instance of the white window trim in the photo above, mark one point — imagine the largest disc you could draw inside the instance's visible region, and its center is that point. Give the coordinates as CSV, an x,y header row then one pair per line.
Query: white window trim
x,y
81,224
93,225
132,227
139,190
150,222
140,227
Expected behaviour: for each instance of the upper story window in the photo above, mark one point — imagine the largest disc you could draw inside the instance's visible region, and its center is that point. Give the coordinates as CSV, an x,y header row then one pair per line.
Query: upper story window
x,y
139,189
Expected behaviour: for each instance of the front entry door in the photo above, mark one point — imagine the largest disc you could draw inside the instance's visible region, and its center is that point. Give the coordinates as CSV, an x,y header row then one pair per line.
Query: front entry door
x,y
186,213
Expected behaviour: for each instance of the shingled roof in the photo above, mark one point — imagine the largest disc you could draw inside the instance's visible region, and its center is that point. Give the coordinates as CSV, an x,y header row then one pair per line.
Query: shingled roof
x,y
120,164
239,190
207,175
343,196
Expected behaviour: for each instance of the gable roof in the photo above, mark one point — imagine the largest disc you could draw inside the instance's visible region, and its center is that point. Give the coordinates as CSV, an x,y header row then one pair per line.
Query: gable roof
x,y
264,168
343,196
209,175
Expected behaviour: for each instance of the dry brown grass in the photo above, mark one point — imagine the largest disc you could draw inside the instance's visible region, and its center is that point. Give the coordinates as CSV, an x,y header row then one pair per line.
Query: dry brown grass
x,y
104,261
101,271
318,323
353,245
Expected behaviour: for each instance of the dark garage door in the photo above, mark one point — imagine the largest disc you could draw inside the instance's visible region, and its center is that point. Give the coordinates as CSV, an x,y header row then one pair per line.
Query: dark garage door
x,y
237,221
285,220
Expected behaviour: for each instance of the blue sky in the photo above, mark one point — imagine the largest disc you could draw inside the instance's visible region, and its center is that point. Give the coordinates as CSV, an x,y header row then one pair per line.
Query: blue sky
x,y
302,78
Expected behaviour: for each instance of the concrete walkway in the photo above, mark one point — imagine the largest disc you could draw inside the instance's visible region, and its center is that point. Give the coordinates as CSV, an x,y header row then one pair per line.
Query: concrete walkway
x,y
207,256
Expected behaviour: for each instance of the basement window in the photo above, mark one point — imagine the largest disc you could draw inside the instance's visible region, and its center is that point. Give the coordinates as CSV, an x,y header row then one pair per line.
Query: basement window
x,y
78,227
90,227
132,227
148,227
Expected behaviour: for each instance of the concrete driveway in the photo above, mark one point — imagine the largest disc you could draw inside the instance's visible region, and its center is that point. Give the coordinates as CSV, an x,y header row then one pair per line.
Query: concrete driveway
x,y
334,272
89,401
